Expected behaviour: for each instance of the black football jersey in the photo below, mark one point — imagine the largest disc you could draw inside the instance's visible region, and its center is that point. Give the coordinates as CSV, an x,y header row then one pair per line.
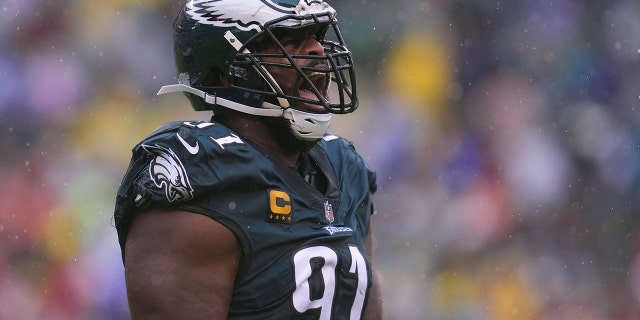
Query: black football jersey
x,y
304,253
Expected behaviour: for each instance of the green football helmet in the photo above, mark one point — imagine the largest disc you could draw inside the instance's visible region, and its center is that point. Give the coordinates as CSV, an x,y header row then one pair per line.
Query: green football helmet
x,y
221,38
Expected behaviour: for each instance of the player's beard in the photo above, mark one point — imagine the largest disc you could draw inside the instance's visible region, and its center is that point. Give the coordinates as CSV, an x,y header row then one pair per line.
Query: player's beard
x,y
281,130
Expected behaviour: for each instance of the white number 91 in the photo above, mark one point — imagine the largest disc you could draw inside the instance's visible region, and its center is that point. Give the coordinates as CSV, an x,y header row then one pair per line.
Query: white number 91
x,y
302,300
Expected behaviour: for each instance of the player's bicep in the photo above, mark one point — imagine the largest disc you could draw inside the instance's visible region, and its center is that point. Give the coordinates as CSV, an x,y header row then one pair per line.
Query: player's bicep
x,y
179,265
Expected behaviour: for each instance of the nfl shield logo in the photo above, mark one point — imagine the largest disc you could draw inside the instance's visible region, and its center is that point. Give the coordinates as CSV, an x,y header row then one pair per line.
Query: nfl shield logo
x,y
328,211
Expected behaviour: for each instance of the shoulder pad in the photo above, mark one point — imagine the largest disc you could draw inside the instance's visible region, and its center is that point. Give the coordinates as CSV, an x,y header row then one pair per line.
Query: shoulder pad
x,y
194,138
343,154
180,160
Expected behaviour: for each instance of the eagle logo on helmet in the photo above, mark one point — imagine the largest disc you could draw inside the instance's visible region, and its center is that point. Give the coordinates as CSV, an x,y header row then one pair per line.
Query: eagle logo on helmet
x,y
248,15
167,172
242,14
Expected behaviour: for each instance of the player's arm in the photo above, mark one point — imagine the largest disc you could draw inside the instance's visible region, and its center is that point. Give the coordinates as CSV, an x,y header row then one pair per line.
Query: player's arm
x,y
373,310
179,265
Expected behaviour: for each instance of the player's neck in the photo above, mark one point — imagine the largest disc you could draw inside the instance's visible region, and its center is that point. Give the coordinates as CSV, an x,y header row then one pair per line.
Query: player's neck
x,y
259,134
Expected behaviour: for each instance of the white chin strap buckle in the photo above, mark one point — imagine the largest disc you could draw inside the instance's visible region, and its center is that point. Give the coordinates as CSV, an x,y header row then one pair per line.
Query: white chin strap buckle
x,y
308,126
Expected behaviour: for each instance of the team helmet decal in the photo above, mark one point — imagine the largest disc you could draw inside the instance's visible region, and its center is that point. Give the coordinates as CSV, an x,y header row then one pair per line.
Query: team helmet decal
x,y
167,172
245,17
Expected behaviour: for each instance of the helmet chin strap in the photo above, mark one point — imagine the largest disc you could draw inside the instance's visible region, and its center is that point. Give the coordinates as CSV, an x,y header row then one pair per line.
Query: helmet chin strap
x,y
304,125
307,126
268,110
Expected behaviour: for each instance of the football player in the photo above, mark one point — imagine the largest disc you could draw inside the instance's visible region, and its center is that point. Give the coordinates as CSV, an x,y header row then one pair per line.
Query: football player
x,y
258,213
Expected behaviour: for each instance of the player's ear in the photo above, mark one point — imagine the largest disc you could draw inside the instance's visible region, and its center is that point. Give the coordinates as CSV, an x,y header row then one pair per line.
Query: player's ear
x,y
214,77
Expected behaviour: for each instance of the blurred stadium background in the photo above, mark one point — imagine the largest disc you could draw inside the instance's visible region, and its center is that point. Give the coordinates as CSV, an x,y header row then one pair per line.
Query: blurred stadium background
x,y
505,134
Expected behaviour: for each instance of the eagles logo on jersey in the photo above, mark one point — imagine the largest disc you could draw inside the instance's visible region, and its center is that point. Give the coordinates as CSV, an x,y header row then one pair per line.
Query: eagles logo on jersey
x,y
168,173
303,247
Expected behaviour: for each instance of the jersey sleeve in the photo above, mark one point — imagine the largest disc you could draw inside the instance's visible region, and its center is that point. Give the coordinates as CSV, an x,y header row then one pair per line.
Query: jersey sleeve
x,y
179,162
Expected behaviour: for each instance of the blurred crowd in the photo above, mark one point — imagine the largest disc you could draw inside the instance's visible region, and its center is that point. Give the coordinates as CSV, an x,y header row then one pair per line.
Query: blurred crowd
x,y
505,134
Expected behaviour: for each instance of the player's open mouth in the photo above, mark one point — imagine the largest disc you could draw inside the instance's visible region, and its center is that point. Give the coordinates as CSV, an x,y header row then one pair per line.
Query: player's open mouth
x,y
318,81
